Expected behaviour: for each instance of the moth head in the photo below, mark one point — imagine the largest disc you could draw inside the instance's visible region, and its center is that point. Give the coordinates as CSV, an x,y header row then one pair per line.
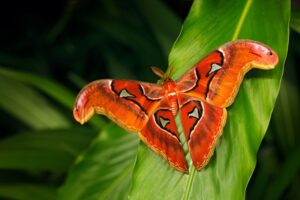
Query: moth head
x,y
161,74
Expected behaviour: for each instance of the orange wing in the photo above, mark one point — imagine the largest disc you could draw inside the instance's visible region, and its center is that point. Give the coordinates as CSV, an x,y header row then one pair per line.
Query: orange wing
x,y
161,135
211,86
216,78
128,103
203,93
202,125
138,107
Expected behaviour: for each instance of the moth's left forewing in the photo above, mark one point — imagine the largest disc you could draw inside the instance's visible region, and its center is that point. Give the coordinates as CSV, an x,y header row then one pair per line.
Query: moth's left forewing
x,y
128,103
217,77
239,57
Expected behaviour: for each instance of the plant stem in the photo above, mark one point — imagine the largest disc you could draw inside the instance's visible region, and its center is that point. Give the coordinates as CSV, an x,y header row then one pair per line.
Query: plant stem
x,y
189,185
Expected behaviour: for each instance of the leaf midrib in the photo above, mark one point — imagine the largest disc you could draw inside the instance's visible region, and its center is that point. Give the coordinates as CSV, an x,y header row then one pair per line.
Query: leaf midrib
x,y
241,20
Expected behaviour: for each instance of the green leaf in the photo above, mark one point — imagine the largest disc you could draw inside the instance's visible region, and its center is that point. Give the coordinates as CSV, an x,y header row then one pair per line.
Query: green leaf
x,y
209,25
53,150
104,171
58,92
27,191
29,106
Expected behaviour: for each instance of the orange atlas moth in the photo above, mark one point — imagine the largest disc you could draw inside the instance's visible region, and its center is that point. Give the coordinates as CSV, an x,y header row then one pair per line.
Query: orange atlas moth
x,y
200,96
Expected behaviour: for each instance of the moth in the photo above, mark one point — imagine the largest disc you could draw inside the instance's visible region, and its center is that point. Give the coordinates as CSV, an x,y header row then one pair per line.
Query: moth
x,y
200,97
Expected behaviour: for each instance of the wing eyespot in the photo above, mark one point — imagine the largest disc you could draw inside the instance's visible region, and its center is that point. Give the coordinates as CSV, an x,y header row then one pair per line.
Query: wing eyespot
x,y
164,122
214,68
125,94
194,113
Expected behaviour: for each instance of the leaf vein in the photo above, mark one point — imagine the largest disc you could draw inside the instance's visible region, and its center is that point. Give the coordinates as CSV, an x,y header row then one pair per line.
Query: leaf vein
x,y
242,19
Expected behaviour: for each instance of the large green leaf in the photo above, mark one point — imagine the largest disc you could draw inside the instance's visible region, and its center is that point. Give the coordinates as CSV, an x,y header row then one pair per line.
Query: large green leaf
x,y
209,25
104,170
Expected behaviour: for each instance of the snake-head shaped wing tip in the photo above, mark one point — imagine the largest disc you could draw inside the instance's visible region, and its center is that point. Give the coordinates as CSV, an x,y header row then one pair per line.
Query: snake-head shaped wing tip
x,y
83,107
80,116
78,110
266,57
77,115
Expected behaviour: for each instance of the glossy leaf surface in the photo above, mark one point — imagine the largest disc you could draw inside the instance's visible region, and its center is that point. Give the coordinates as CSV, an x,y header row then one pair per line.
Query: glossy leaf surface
x,y
104,170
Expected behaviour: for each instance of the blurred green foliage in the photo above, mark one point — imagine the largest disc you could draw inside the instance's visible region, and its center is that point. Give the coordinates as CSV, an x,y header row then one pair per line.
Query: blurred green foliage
x,y
50,49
